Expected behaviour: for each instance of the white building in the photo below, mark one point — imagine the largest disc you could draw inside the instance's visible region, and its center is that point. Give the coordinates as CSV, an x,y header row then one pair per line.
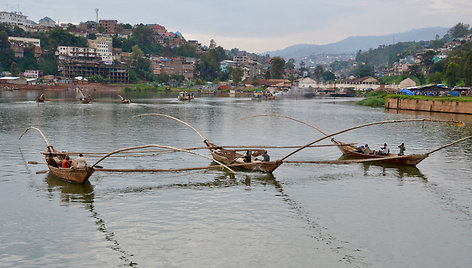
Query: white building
x,y
104,48
14,18
307,83
25,40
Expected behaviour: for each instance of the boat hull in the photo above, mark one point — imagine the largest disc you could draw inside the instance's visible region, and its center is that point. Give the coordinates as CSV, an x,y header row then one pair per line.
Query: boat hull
x,y
76,175
267,167
409,160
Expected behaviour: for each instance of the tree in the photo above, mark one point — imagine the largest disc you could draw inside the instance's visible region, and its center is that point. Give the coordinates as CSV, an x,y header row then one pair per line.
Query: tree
x,y
328,76
212,44
435,78
277,66
135,55
318,72
237,75
15,71
255,81
290,65
467,69
163,77
363,70
452,73
458,30
267,75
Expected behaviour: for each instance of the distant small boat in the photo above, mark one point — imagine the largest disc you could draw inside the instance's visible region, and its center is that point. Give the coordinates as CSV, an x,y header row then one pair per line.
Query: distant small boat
x,y
124,100
185,96
41,98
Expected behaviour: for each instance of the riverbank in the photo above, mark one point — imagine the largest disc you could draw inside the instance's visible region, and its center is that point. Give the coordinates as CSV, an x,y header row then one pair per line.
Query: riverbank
x,y
90,87
459,105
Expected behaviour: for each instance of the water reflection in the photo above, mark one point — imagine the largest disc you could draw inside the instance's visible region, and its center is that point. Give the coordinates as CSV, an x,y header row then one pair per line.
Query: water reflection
x,y
84,193
400,171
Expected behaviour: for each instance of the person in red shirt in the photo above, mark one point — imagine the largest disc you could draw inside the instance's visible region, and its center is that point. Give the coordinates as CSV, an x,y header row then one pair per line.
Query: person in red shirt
x,y
65,163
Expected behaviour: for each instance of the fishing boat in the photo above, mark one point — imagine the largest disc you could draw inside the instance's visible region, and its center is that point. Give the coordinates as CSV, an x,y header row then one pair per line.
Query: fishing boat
x,y
53,159
83,98
40,98
124,100
230,157
185,96
352,152
349,150
235,159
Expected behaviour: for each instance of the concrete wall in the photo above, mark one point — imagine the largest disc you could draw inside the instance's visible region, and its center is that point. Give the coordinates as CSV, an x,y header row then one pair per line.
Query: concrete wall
x,y
430,105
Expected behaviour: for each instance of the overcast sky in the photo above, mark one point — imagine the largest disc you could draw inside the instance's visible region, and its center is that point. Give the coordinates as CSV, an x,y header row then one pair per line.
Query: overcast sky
x,y
259,25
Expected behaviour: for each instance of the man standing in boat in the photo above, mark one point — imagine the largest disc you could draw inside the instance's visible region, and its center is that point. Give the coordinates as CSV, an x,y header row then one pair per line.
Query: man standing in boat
x,y
402,149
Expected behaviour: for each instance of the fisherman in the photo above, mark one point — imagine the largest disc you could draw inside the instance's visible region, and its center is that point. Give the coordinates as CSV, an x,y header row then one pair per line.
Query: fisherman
x,y
360,149
247,157
384,150
51,162
265,157
65,163
367,150
402,149
81,163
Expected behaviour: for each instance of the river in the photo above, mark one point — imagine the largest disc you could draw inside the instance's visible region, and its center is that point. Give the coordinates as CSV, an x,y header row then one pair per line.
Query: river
x,y
303,215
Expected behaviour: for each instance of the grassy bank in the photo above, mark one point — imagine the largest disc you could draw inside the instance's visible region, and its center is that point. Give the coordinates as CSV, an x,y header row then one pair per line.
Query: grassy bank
x,y
373,99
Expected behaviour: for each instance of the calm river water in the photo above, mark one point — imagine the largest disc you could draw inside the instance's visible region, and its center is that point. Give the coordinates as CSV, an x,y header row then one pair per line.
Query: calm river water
x,y
304,215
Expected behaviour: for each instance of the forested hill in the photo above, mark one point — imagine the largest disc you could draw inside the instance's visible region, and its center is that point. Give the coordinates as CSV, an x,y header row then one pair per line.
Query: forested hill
x,y
356,43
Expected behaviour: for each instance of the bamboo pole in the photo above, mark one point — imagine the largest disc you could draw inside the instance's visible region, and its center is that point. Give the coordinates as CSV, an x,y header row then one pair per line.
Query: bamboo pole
x,y
156,170
361,126
40,132
159,146
171,117
243,148
449,144
288,117
347,161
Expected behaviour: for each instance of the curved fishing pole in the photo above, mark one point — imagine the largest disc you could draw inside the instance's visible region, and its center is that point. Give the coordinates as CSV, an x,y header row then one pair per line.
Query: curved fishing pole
x,y
288,117
176,119
447,145
361,126
40,132
158,146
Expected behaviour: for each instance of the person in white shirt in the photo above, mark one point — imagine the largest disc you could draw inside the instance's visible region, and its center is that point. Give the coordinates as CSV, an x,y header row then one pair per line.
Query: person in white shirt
x,y
81,163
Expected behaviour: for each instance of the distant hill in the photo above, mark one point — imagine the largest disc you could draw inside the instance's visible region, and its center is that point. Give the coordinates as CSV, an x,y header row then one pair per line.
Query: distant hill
x,y
355,43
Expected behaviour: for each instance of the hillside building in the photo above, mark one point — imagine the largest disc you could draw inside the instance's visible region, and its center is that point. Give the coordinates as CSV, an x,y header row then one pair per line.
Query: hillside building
x,y
14,18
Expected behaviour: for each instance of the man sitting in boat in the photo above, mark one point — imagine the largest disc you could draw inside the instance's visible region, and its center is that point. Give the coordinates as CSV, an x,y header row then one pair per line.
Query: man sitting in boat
x,y
360,149
367,150
81,163
384,150
247,157
65,163
265,157
51,161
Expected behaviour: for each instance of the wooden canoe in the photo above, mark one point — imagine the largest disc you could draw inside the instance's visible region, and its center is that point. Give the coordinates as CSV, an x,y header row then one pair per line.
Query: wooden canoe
x,y
351,151
185,96
232,158
77,175
41,98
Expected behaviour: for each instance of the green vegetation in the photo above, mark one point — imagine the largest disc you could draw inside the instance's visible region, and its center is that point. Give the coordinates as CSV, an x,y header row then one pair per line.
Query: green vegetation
x,y
373,99
145,88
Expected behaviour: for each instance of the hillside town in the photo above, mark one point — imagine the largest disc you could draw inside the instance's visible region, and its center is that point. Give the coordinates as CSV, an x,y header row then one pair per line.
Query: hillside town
x,y
106,51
